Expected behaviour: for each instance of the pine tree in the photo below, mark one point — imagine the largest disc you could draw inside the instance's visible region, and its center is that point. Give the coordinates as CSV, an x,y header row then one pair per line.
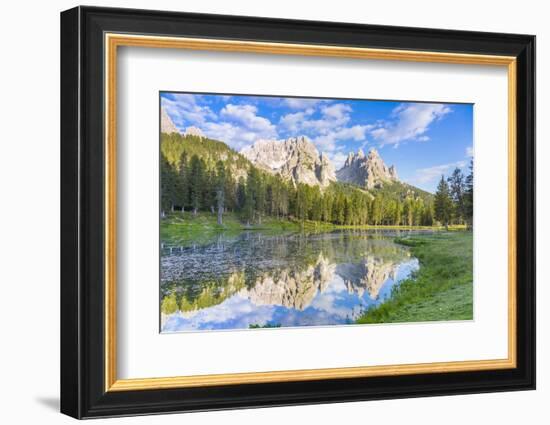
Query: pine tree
x,y
443,204
181,186
469,196
220,190
261,196
427,216
231,188
208,189
363,209
339,209
248,202
196,181
283,204
167,183
418,207
255,195
408,211
241,194
377,210
316,204
457,189
398,211
347,211
302,202
328,201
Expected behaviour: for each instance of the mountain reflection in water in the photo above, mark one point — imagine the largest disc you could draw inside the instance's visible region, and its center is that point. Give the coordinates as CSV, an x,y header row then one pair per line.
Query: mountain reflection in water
x,y
255,280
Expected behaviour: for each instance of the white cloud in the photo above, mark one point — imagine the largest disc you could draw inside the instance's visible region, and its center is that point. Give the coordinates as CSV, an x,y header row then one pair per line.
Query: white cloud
x,y
237,125
332,117
325,123
410,122
427,175
337,111
327,142
242,126
221,131
184,110
237,310
293,121
327,130
301,103
338,159
233,135
246,115
470,151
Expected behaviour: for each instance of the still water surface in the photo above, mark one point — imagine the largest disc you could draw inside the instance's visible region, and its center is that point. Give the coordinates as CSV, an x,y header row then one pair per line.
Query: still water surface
x,y
257,280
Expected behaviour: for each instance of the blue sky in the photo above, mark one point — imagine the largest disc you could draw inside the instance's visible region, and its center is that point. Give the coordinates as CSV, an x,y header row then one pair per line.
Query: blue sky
x,y
422,140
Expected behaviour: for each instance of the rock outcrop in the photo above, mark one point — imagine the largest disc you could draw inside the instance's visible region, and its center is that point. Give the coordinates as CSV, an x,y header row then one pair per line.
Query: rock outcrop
x,y
296,159
166,124
194,131
291,288
368,171
368,275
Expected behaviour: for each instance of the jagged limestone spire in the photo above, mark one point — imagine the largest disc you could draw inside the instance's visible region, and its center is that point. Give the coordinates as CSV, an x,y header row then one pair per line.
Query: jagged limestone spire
x,y
166,124
366,171
373,152
194,131
295,159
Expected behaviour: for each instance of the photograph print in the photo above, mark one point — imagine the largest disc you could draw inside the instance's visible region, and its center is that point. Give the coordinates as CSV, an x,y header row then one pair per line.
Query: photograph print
x,y
280,212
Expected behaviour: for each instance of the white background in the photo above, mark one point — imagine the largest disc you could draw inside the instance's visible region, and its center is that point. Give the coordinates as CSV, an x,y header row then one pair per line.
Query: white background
x,y
29,172
141,345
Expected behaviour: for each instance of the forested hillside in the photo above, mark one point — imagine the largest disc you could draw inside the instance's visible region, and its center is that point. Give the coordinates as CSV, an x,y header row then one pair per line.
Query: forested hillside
x,y
201,174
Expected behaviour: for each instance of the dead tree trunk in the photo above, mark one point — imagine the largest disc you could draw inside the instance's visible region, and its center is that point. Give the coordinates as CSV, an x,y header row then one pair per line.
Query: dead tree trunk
x,y
220,198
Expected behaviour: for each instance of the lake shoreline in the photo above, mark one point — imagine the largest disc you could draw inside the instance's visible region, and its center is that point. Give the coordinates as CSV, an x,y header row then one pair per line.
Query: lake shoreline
x,y
299,279
441,290
185,229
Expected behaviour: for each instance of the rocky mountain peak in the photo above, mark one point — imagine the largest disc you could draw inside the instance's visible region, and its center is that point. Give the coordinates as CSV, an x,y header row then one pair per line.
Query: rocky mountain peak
x,y
373,153
194,131
296,159
367,171
166,124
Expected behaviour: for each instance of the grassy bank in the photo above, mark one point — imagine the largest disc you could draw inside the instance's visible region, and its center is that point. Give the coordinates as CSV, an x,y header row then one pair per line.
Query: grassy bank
x,y
184,228
440,290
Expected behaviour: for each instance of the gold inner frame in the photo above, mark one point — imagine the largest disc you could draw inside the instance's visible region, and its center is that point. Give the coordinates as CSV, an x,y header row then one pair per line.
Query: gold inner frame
x,y
113,41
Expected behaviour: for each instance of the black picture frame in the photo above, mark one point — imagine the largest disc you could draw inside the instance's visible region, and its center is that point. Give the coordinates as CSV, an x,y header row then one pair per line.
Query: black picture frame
x,y
83,392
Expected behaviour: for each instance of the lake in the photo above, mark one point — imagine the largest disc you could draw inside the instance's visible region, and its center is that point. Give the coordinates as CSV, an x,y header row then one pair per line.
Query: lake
x,y
257,280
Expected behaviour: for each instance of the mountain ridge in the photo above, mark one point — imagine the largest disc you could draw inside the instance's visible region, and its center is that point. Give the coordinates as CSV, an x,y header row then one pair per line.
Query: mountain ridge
x,y
295,159
166,124
367,171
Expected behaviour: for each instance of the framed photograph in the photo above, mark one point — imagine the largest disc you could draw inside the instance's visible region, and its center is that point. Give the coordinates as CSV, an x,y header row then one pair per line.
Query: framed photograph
x,y
261,212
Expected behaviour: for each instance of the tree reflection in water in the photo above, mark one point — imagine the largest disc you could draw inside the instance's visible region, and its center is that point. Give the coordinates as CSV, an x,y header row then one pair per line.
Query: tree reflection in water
x,y
256,280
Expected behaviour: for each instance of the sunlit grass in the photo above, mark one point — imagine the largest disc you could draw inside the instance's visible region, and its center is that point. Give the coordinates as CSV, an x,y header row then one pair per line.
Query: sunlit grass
x,y
186,229
441,289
